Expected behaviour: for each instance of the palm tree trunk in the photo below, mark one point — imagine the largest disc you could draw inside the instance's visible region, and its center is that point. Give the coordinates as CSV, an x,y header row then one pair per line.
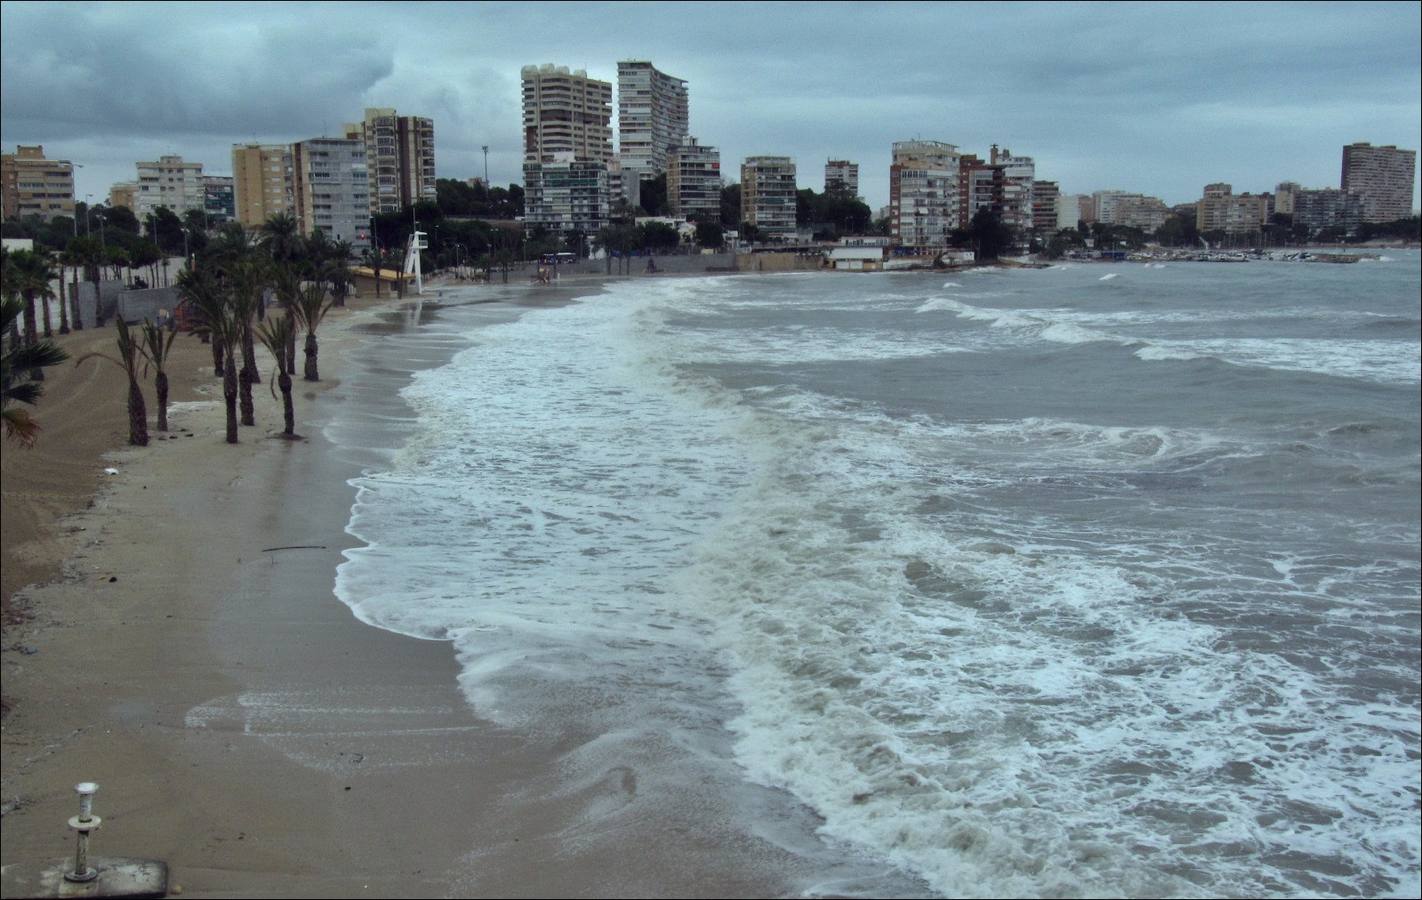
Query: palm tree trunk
x,y
244,385
249,354
137,415
161,382
44,302
288,410
229,393
74,300
311,373
218,349
63,307
31,335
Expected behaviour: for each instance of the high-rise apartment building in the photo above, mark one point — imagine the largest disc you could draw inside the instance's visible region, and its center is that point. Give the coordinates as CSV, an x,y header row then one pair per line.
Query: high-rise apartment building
x,y
842,175
400,158
694,181
1012,185
566,195
1044,206
32,185
653,116
976,188
1326,208
1382,177
923,192
168,182
331,187
768,195
1221,210
565,112
262,182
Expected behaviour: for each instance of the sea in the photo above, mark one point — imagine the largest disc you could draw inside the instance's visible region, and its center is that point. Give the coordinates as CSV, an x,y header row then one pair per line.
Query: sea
x,y
1094,580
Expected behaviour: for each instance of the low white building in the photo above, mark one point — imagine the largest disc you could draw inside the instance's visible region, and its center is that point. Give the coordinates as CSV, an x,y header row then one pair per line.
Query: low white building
x,y
857,259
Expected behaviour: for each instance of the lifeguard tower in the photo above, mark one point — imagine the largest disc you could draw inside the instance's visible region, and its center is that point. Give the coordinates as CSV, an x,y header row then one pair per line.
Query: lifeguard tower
x,y
418,242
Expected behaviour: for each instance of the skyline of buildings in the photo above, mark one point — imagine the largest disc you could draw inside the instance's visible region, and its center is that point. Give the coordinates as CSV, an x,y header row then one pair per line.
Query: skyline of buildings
x,y
567,120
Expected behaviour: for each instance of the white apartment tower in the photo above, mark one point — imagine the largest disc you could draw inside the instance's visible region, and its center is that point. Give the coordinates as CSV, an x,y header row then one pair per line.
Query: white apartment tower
x,y
652,117
924,205
169,182
331,186
565,112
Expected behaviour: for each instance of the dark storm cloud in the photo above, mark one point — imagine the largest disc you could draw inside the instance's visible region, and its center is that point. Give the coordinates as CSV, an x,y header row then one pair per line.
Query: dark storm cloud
x,y
1153,97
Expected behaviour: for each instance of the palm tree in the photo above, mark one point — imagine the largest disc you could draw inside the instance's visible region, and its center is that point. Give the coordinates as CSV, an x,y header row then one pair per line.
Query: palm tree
x,y
155,348
286,285
232,243
89,254
20,426
245,281
201,292
28,274
336,271
281,237
311,307
212,303
277,334
129,353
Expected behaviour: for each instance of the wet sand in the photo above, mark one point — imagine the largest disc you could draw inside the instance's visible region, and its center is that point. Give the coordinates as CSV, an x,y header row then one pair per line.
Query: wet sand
x,y
243,726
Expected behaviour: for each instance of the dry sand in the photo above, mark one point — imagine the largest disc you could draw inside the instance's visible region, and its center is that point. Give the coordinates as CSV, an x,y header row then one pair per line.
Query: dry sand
x,y
243,726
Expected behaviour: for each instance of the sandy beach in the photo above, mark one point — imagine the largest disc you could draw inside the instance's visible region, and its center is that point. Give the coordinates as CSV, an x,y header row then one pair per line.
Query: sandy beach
x,y
243,726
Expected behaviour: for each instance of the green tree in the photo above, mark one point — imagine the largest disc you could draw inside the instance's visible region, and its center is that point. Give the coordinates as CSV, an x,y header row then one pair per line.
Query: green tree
x,y
129,353
311,307
654,196
730,206
17,363
244,280
27,274
989,236
659,236
710,235
281,238
277,333
156,345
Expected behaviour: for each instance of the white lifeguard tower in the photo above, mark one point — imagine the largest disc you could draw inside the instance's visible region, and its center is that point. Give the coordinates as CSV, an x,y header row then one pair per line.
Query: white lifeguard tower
x,y
417,243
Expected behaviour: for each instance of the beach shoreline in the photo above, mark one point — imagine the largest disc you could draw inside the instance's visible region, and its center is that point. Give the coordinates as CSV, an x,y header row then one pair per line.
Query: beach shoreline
x,y
243,725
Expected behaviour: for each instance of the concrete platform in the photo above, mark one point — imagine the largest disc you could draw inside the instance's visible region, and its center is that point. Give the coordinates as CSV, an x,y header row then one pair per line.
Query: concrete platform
x,y
118,877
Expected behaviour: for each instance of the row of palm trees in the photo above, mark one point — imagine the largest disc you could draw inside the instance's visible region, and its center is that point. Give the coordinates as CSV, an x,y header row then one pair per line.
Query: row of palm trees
x,y
227,289
224,291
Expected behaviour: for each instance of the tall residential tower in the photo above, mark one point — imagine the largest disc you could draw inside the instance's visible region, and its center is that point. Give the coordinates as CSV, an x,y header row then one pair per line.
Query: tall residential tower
x,y
565,112
924,203
400,158
1382,177
652,117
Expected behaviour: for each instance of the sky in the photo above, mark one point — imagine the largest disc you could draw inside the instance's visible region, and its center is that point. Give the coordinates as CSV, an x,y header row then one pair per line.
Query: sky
x,y
1149,97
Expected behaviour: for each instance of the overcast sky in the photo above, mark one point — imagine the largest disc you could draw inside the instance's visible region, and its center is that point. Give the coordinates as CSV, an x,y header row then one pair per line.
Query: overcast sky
x,y
1154,98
